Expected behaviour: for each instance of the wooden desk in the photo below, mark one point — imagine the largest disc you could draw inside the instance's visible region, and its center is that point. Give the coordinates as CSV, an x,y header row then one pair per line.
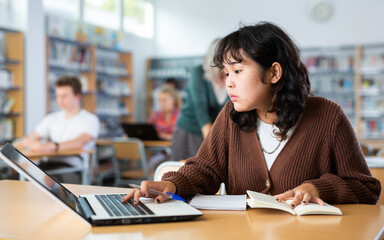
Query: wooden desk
x,y
86,169
60,153
27,213
154,143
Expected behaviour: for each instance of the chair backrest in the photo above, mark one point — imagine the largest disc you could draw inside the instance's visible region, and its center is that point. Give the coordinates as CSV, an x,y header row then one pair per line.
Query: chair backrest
x,y
131,149
128,150
166,167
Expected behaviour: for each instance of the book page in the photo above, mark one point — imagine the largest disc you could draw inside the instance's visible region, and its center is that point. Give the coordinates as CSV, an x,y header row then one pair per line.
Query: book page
x,y
219,202
261,200
313,208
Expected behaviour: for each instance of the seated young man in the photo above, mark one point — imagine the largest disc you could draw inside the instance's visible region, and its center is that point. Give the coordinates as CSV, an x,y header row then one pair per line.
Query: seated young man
x,y
70,128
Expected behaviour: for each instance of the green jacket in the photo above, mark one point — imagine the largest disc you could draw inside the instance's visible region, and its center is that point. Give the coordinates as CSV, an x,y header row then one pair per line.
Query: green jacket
x,y
200,106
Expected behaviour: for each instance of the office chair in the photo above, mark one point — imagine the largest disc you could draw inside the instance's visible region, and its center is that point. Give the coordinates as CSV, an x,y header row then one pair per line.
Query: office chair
x,y
166,167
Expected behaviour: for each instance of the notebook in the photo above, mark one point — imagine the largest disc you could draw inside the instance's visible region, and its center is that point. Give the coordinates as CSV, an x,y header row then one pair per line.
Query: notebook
x,y
142,131
98,209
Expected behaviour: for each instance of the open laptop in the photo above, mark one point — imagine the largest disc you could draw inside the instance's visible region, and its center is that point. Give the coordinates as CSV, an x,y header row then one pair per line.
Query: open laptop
x,y
142,131
98,209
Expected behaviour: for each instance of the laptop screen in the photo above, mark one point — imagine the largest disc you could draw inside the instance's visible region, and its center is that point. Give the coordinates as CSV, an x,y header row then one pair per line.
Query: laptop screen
x,y
142,131
32,172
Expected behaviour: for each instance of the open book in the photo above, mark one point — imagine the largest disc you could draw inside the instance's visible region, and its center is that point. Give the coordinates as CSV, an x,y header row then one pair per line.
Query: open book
x,y
260,200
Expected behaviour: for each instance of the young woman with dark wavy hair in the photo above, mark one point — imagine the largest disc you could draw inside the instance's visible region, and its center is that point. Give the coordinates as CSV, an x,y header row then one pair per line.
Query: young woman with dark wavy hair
x,y
273,137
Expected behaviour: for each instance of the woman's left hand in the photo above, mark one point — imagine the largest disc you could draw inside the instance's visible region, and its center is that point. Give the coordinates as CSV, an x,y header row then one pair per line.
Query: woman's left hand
x,y
302,194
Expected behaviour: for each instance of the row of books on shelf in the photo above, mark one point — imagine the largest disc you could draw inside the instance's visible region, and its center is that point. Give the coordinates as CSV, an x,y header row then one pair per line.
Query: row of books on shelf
x,y
54,75
333,84
69,56
373,60
113,88
372,86
320,64
372,106
6,129
108,62
6,103
107,106
71,29
169,72
373,128
6,78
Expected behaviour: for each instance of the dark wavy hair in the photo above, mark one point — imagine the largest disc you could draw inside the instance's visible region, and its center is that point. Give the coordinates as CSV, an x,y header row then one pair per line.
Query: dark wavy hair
x,y
266,43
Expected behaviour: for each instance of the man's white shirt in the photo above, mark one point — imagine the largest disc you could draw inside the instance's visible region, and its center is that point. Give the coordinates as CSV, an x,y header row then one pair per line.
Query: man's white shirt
x,y
56,128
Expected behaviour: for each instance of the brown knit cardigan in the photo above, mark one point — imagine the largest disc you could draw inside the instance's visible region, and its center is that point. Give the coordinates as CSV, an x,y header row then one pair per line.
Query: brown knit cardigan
x,y
323,150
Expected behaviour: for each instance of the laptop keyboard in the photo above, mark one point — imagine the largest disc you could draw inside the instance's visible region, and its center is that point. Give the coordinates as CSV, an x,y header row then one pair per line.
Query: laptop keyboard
x,y
113,205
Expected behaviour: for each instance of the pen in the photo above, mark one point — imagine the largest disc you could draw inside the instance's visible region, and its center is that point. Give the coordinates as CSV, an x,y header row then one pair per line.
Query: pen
x,y
167,194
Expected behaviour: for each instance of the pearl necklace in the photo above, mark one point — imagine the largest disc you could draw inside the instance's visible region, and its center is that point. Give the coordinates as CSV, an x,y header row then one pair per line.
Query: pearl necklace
x,y
262,148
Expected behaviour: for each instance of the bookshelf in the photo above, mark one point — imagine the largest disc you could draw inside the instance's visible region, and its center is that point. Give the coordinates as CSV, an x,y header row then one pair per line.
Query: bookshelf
x,y
66,57
352,76
12,108
114,90
332,75
178,68
371,93
106,77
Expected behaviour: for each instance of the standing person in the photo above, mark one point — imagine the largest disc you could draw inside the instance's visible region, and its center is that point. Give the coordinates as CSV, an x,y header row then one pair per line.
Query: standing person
x,y
272,137
70,128
206,95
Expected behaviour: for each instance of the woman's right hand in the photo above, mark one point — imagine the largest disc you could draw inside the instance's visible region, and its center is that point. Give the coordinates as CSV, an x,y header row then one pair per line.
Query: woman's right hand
x,y
160,186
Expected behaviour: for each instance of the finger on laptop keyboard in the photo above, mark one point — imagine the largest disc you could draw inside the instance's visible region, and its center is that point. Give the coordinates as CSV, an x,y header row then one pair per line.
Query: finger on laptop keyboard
x,y
129,195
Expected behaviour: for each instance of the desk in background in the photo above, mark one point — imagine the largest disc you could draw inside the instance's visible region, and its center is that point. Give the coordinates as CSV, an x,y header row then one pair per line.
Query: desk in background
x,y
86,169
23,206
154,143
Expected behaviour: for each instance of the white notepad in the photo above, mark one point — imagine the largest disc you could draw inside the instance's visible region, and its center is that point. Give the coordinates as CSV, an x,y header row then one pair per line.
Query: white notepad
x,y
219,202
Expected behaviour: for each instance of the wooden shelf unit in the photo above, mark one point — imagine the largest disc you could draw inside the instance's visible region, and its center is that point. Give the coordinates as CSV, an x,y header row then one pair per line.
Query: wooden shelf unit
x,y
370,80
347,67
13,62
115,88
63,58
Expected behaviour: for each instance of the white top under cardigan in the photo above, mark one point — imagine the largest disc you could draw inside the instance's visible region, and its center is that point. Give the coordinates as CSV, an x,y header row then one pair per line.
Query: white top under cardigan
x,y
269,141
